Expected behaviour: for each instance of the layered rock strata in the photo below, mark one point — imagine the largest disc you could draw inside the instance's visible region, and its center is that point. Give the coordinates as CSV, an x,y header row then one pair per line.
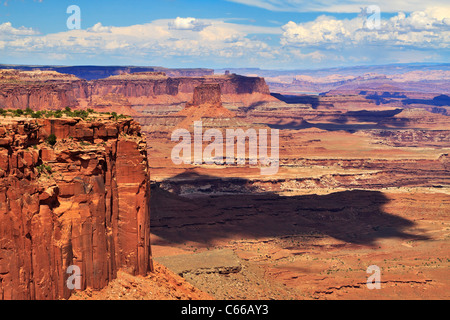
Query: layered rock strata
x,y
82,202
39,91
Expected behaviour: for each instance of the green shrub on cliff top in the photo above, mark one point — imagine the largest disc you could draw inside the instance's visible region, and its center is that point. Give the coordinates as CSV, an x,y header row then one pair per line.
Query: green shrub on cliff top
x,y
58,114
83,114
117,116
36,115
88,114
18,112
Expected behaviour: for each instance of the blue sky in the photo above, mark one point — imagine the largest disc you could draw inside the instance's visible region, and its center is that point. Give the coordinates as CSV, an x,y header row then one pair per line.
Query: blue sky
x,y
271,34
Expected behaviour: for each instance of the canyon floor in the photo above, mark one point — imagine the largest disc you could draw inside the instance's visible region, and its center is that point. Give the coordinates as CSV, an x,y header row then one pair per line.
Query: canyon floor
x,y
319,246
348,195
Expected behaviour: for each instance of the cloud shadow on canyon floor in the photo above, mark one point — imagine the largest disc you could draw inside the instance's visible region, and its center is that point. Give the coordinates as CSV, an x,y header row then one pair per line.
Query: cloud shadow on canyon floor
x,y
355,216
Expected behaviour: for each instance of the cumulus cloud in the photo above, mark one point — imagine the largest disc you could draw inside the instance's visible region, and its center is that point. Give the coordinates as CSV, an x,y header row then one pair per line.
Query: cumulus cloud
x,y
342,6
99,28
418,35
187,24
420,29
6,29
160,38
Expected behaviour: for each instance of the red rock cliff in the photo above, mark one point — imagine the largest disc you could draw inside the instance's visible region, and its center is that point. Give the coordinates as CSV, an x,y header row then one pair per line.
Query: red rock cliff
x,y
207,93
83,202
140,89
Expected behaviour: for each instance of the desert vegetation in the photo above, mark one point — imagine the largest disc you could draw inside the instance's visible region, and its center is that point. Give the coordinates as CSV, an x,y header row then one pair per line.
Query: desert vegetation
x,y
88,114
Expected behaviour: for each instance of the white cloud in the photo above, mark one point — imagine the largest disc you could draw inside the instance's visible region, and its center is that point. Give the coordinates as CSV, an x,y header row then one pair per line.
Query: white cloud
x,y
209,42
342,6
421,29
99,28
187,24
6,29
161,38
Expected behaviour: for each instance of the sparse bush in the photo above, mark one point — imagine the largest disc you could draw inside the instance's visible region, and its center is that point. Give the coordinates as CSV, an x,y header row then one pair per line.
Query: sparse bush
x,y
51,139
68,112
44,169
36,115
117,117
58,114
49,114
81,114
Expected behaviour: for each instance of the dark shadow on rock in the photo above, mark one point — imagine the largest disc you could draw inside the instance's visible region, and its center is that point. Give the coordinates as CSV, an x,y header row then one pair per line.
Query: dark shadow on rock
x,y
439,101
218,208
339,126
372,116
384,98
253,106
298,99
365,120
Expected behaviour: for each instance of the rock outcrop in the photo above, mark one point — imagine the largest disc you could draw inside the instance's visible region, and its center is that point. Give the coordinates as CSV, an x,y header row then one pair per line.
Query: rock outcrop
x,y
148,89
40,90
206,106
206,103
81,201
207,94
44,90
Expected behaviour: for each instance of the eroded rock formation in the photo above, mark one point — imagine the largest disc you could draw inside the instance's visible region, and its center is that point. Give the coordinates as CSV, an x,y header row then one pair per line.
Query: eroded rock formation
x,y
206,103
83,201
43,90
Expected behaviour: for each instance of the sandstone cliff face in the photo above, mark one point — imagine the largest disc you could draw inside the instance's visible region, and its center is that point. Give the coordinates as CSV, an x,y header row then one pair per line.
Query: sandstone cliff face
x,y
143,89
42,95
82,202
162,90
207,94
207,107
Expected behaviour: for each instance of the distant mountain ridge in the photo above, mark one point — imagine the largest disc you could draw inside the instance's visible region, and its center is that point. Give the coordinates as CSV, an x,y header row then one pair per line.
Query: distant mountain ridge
x,y
100,72
399,78
349,70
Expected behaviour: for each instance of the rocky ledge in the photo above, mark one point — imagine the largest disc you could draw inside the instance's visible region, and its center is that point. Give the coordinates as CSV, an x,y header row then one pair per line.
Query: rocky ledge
x,y
72,193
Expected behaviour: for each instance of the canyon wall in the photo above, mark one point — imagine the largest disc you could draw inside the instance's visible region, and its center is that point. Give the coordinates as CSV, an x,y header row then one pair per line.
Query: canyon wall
x,y
207,94
148,90
46,95
83,201
135,91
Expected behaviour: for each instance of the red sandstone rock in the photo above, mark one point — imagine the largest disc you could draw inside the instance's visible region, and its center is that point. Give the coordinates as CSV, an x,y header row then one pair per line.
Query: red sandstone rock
x,y
121,93
207,94
206,104
91,210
